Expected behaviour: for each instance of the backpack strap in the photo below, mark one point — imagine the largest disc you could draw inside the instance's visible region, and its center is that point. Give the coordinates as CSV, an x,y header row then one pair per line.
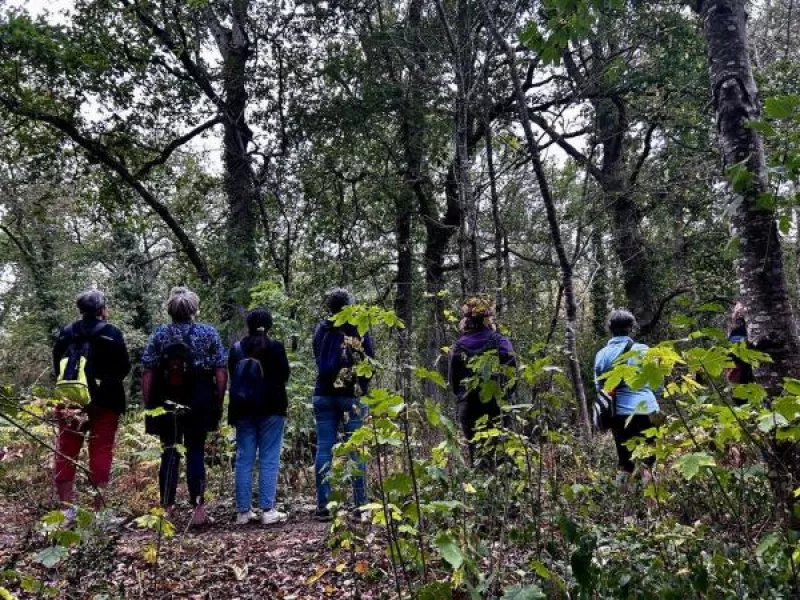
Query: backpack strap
x,y
77,332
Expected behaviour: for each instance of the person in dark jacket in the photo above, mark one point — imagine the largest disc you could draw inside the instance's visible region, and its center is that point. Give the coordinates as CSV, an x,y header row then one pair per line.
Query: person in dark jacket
x,y
478,335
260,422
187,420
107,364
336,395
742,372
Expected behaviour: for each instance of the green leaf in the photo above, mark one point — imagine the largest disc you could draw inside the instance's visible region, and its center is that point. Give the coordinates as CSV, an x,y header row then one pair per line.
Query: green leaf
x,y
781,107
51,556
740,177
66,538
768,422
437,590
765,128
689,465
6,595
528,592
422,374
155,412
450,550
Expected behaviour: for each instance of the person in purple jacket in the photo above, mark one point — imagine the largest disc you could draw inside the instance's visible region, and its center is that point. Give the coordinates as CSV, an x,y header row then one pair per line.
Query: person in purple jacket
x,y
478,335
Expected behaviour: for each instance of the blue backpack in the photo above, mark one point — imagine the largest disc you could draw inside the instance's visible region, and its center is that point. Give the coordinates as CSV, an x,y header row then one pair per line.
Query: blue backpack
x,y
247,382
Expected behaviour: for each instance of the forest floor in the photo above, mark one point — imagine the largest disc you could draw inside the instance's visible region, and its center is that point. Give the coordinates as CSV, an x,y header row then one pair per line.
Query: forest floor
x,y
291,560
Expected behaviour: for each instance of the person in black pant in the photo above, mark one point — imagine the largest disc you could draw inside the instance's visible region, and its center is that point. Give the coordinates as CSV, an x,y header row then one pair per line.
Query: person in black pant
x,y
184,371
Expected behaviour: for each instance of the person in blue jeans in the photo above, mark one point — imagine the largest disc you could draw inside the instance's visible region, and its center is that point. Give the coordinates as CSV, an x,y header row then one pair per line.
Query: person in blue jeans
x,y
336,395
259,422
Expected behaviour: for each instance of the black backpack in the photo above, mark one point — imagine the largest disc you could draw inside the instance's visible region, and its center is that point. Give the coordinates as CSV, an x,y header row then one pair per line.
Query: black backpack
x,y
175,370
248,389
604,408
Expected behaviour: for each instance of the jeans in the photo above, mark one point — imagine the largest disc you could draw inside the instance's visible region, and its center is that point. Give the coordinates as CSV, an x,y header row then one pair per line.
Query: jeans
x,y
330,412
101,428
265,436
174,431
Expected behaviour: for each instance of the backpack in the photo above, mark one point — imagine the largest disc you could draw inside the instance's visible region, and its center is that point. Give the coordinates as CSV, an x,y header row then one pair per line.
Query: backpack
x,y
248,389
473,396
338,356
175,370
74,372
604,408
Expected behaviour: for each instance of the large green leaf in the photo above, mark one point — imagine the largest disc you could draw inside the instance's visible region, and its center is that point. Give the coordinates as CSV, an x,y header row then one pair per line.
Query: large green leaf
x,y
689,465
781,107
51,556
450,550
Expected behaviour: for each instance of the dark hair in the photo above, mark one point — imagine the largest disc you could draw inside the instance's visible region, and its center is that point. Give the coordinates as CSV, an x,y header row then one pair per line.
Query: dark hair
x,y
621,322
90,302
337,299
259,321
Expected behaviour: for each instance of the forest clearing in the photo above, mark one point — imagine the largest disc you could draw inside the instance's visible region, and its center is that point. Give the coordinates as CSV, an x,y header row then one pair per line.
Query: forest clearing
x,y
427,299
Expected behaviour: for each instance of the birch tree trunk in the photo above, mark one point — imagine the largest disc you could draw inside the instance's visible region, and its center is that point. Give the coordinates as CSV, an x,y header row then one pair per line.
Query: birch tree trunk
x,y
762,281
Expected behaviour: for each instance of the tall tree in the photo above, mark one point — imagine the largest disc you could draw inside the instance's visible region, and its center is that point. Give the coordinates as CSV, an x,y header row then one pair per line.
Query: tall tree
x,y
762,281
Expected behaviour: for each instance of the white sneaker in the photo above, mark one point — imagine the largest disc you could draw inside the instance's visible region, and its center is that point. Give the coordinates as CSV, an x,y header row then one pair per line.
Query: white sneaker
x,y
244,518
268,517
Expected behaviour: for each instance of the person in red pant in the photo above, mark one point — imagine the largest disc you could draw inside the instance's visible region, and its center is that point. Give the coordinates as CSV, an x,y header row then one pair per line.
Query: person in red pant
x,y
108,363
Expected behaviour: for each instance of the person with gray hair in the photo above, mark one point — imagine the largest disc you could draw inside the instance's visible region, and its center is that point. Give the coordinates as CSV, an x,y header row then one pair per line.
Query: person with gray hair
x,y
636,410
107,365
184,371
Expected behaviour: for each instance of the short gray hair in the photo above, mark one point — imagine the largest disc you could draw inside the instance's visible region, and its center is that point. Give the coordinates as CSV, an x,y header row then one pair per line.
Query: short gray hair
x,y
90,302
621,322
183,304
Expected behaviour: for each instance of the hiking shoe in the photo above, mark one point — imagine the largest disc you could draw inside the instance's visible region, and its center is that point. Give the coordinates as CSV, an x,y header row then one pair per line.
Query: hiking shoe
x,y
200,516
322,514
268,517
243,518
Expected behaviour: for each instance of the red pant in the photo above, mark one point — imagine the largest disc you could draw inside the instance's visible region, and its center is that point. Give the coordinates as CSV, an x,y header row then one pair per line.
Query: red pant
x,y
101,428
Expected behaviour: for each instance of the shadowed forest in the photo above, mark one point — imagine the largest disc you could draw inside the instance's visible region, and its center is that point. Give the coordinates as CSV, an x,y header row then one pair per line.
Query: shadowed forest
x,y
462,168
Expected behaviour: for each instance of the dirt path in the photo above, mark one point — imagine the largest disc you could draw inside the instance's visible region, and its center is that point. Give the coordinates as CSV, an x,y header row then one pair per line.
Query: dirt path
x,y
287,561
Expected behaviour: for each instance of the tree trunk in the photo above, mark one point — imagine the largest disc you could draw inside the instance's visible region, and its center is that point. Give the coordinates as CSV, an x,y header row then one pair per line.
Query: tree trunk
x,y
240,185
762,281
629,244
571,307
599,284
438,233
498,225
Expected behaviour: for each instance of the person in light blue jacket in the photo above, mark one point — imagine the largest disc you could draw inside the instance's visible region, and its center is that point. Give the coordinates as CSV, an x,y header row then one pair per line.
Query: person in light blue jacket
x,y
637,405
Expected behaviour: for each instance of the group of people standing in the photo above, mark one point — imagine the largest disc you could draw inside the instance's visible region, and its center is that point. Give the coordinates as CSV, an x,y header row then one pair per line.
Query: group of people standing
x,y
185,375
186,372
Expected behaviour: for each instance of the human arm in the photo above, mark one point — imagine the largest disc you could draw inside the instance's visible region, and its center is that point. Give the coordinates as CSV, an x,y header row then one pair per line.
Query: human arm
x,y
122,360
147,387
282,363
221,377
59,348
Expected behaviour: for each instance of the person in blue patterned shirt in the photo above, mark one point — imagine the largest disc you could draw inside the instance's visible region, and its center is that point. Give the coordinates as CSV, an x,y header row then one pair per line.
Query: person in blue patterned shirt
x,y
184,371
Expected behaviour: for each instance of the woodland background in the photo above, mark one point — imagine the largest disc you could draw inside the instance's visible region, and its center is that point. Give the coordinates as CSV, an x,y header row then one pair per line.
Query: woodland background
x,y
564,156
